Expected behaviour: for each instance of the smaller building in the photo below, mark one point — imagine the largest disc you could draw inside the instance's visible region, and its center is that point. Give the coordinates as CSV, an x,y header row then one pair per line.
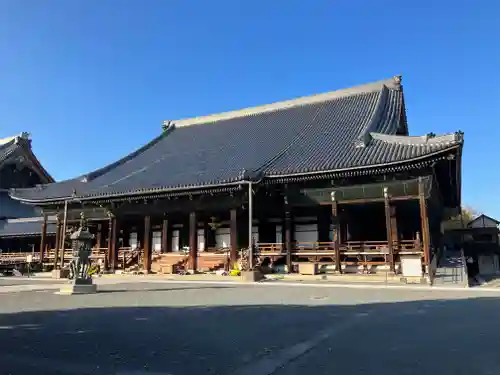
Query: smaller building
x,y
479,238
20,224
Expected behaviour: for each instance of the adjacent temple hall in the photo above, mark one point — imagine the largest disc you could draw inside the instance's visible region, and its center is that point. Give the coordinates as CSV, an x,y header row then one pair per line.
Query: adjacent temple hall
x,y
330,182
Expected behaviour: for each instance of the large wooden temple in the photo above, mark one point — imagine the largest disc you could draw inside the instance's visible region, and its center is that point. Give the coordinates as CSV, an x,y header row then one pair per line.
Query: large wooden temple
x,y
333,180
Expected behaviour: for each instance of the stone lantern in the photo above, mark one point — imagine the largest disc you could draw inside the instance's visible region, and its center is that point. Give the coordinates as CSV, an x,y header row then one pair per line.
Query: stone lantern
x,y
81,243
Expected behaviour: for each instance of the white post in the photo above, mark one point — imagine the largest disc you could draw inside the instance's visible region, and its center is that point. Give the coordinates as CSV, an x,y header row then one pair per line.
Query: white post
x,y
250,224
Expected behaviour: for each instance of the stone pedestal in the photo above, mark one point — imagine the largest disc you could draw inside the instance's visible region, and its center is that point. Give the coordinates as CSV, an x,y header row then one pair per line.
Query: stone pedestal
x,y
251,276
308,268
79,286
60,274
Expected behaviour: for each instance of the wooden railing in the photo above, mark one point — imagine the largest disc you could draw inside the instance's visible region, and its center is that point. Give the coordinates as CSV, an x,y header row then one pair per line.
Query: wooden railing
x,y
18,257
49,255
128,256
271,248
350,248
307,247
97,253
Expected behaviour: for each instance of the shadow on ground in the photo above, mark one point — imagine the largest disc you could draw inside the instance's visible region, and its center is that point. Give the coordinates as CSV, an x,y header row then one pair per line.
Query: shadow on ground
x,y
116,289
431,336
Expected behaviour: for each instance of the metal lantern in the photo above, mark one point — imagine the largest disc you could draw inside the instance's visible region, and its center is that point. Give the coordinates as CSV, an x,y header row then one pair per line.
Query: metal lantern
x,y
81,241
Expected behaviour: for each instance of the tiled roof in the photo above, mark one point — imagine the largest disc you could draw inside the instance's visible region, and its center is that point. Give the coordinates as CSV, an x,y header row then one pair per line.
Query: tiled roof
x,y
20,146
25,227
344,129
12,209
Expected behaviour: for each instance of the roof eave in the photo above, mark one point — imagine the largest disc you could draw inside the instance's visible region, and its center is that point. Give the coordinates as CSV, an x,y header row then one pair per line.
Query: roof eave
x,y
191,189
131,194
373,166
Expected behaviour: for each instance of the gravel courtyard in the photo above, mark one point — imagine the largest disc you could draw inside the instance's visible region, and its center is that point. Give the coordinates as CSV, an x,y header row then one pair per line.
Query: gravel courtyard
x,y
164,328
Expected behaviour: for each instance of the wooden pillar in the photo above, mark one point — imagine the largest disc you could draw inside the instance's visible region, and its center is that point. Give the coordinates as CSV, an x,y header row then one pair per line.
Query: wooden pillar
x,y
424,221
209,237
193,242
394,227
233,252
64,234
288,237
98,237
166,242
110,238
43,238
112,243
387,206
147,244
336,232
58,242
324,223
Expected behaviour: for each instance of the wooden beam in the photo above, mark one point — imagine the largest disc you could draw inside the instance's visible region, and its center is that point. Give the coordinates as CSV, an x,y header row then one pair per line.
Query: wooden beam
x,y
147,244
233,252
193,242
424,220
166,241
366,200
43,237
387,206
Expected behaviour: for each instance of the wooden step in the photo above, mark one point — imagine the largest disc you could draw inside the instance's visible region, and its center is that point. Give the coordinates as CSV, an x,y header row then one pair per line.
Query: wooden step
x,y
168,263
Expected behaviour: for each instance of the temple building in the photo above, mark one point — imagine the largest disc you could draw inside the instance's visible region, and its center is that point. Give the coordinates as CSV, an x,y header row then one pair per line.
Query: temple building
x,y
21,224
334,180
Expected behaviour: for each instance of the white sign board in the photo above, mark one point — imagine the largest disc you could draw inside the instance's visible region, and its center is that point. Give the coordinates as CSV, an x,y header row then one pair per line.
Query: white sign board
x,y
29,258
411,266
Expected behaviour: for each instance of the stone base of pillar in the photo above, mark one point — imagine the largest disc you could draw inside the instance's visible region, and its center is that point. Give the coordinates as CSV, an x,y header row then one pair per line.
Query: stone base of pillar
x,y
60,274
79,286
251,276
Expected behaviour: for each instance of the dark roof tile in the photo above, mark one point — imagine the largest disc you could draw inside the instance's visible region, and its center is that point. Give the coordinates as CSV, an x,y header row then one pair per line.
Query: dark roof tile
x,y
12,209
25,227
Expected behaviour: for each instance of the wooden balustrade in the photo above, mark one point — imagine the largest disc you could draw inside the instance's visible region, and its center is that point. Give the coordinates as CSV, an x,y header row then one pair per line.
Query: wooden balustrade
x,y
128,256
18,257
271,248
306,247
351,252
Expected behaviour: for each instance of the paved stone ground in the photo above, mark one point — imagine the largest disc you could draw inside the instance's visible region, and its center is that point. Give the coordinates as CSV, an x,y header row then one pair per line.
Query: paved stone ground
x,y
10,280
164,328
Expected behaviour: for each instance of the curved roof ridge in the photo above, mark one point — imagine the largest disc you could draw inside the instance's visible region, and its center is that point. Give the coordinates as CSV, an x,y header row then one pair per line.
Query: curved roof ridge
x,y
14,138
393,83
364,137
424,140
98,172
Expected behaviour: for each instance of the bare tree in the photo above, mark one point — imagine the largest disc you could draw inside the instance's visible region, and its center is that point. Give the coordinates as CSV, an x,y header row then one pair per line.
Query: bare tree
x,y
469,213
461,221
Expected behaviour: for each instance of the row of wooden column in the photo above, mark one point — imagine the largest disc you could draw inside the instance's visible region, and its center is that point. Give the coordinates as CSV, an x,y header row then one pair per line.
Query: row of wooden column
x,y
166,241
112,254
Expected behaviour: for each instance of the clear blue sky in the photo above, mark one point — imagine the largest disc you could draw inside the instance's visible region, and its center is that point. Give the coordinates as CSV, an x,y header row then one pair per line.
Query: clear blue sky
x,y
92,80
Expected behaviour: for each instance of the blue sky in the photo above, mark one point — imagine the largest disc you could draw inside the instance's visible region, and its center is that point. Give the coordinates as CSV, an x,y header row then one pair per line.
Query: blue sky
x,y
92,80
